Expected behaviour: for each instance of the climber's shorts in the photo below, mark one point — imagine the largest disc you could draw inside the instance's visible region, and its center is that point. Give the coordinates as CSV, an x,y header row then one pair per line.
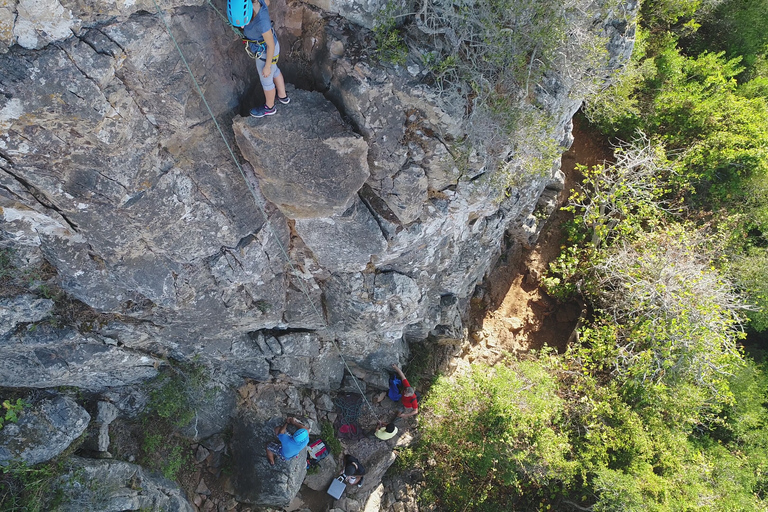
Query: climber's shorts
x,y
268,83
276,449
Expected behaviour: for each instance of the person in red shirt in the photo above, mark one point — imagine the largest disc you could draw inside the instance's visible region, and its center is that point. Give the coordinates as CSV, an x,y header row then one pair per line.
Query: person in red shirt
x,y
410,403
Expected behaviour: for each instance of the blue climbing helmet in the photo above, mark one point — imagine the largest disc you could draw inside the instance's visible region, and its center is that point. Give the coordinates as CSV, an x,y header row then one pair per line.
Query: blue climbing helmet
x,y
301,435
239,12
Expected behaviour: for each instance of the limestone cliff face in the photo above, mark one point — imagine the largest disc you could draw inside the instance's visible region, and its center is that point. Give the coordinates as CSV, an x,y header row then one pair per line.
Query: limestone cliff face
x,y
352,223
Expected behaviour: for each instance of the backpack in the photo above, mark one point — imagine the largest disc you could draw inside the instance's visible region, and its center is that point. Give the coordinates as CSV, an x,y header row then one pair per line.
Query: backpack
x,y
395,388
316,452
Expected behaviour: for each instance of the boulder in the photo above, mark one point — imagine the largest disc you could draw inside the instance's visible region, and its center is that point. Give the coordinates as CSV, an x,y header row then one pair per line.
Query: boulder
x,y
344,242
308,161
43,432
320,479
407,193
22,309
362,12
50,357
98,431
255,481
214,407
376,456
112,486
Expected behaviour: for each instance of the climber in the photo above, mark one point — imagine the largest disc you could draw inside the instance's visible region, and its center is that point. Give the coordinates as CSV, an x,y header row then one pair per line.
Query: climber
x,y
353,471
262,45
290,445
410,402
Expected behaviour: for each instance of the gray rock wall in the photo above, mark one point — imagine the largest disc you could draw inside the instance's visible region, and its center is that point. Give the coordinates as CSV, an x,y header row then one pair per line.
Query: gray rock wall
x,y
43,432
113,485
350,219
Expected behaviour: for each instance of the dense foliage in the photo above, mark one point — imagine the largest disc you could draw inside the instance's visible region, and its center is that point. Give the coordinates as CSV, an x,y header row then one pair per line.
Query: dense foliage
x,y
656,406
708,112
492,434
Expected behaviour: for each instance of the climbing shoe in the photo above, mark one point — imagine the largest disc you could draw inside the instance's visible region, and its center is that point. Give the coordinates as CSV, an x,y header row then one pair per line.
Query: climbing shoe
x,y
263,111
285,100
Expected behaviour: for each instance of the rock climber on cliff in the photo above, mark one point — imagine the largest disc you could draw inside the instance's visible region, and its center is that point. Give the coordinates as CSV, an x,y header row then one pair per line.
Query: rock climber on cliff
x,y
261,44
290,445
410,403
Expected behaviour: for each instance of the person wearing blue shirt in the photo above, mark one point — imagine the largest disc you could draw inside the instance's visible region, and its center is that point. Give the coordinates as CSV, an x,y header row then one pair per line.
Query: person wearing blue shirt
x,y
263,46
290,445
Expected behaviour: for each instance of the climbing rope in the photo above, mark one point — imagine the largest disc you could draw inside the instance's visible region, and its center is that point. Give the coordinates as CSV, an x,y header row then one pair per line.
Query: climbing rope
x,y
347,422
224,18
293,268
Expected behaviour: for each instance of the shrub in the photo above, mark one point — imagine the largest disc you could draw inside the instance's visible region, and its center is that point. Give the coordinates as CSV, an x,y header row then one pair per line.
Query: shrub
x,y
12,411
173,393
751,274
328,434
491,434
172,398
390,45
29,488
495,59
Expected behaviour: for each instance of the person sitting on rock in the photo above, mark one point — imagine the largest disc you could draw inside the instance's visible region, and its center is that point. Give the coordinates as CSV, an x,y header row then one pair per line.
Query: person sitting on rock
x,y
290,445
386,432
410,402
261,44
353,471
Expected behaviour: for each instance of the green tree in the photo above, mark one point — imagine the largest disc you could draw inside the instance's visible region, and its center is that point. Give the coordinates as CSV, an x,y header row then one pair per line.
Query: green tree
x,y
492,435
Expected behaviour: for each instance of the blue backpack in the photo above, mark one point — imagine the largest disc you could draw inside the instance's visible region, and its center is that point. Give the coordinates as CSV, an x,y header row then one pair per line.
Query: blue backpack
x,y
395,388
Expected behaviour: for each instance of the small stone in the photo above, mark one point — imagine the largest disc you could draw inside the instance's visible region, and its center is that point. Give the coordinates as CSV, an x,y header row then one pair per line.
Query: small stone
x,y
337,48
214,460
106,413
202,488
201,454
532,277
398,506
198,500
227,487
209,506
214,443
324,403
514,323
558,181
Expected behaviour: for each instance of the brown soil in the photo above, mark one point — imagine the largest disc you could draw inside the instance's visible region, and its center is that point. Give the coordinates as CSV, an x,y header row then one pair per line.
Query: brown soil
x,y
515,314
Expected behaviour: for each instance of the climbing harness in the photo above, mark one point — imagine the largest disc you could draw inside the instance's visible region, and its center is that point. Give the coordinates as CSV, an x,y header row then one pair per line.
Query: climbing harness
x,y
257,49
293,268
